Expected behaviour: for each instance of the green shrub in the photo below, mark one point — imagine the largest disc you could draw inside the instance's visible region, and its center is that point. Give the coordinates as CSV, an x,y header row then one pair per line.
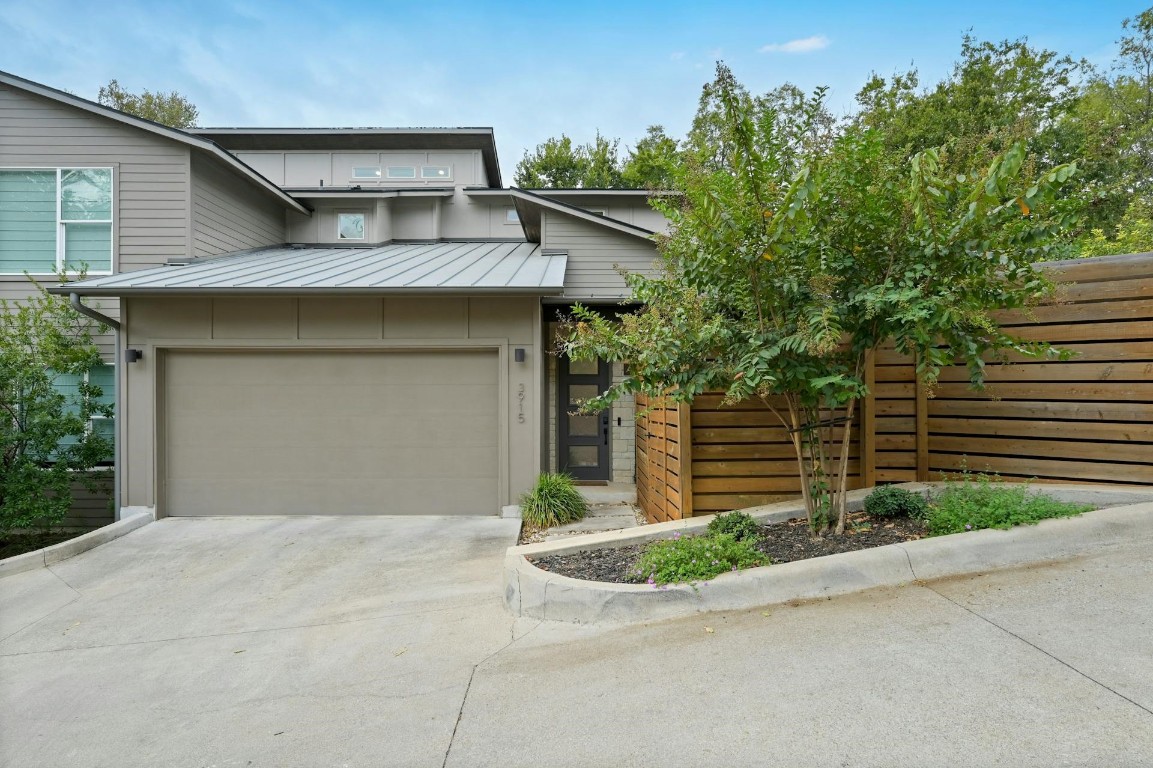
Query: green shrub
x,y
737,524
979,503
695,558
891,501
554,500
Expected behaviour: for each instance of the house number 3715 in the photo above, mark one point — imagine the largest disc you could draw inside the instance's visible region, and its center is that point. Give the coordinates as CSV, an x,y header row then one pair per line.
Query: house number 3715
x,y
520,404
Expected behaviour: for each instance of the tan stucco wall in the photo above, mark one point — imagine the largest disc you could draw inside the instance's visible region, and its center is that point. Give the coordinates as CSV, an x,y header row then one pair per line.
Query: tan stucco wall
x,y
155,325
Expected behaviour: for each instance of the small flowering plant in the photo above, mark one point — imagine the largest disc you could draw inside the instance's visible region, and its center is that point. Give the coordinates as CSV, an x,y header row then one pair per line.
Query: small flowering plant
x,y
689,559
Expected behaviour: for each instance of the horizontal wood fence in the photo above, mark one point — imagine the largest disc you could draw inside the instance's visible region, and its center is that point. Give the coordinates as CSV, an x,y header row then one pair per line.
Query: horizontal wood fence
x,y
1085,420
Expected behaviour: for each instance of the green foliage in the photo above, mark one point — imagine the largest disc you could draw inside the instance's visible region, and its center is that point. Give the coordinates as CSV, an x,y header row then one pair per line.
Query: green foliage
x,y
554,500
688,559
44,436
739,525
979,502
790,257
1134,233
560,164
169,109
890,501
651,162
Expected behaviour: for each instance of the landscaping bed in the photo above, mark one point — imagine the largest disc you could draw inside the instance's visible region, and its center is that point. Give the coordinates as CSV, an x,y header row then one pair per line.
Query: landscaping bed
x,y
780,542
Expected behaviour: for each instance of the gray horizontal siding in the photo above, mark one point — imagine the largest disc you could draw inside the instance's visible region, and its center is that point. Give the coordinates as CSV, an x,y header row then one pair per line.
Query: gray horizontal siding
x,y
229,214
594,252
151,175
90,509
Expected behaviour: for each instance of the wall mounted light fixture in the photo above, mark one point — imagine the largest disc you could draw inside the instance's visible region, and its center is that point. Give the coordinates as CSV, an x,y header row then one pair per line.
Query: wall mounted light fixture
x,y
518,354
132,355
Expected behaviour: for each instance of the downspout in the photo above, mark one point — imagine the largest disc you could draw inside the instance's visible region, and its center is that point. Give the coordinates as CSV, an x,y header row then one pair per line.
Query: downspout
x,y
74,300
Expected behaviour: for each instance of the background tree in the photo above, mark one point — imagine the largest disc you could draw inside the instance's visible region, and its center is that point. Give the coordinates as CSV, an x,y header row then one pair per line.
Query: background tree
x,y
778,280
558,163
651,161
169,109
44,435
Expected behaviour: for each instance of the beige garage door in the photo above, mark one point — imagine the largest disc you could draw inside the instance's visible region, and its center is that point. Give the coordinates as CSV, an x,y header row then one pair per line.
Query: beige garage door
x,y
331,433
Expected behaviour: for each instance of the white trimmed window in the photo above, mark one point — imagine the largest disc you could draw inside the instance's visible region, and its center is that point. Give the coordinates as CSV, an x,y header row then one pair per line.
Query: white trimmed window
x,y
55,219
400,172
370,172
436,172
350,226
103,376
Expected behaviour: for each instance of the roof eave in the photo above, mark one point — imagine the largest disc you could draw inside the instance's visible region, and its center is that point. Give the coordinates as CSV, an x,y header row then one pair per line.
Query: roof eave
x,y
112,292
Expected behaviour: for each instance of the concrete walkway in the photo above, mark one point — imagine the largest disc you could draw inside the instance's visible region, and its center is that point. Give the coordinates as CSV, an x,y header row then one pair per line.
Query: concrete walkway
x,y
612,507
383,642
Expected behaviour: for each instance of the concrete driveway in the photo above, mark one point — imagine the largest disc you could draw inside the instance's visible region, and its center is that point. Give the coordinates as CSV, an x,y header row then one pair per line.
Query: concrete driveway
x,y
381,642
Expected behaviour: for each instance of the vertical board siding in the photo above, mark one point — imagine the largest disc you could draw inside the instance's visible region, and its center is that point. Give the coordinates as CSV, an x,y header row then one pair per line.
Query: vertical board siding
x,y
229,214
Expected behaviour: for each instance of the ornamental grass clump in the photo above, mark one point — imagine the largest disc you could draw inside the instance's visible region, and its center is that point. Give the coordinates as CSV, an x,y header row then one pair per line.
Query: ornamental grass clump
x,y
980,502
554,500
689,559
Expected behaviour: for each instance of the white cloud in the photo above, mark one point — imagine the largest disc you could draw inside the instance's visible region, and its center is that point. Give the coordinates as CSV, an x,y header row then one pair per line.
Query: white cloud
x,y
800,45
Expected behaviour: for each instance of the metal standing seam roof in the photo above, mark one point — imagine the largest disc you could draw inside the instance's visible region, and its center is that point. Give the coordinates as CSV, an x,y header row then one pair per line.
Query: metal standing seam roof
x,y
498,267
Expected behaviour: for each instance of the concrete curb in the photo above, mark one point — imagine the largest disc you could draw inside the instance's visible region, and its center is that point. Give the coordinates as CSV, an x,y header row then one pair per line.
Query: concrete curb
x,y
532,592
42,558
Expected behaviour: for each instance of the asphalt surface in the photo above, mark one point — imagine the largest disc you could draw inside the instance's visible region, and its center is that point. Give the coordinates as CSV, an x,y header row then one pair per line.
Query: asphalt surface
x,y
384,642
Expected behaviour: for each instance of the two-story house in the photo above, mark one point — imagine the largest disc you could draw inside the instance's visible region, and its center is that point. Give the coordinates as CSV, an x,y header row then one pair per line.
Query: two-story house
x,y
320,321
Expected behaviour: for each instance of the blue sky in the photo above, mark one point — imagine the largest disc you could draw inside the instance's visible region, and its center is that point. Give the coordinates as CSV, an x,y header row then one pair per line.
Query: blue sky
x,y
529,70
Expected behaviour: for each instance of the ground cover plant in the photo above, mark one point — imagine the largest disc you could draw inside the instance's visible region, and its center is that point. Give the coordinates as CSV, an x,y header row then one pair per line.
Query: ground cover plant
x,y
892,515
978,501
689,559
554,500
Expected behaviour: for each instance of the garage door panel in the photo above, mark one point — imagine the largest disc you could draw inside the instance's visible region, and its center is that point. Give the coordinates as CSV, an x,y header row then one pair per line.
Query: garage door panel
x,y
332,432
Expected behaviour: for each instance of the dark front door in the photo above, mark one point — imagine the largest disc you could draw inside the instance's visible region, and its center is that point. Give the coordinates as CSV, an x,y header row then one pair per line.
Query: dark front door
x,y
583,439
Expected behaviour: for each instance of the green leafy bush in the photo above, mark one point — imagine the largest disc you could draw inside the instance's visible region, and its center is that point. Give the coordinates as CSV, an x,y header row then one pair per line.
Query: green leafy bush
x,y
891,501
739,525
554,500
695,558
45,440
980,503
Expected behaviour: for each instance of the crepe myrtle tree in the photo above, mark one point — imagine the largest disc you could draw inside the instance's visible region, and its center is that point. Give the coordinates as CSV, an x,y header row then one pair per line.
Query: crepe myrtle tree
x,y
779,278
45,439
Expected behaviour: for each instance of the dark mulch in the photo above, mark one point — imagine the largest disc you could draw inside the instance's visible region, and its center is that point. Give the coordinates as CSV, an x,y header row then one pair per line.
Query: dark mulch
x,y
18,543
782,542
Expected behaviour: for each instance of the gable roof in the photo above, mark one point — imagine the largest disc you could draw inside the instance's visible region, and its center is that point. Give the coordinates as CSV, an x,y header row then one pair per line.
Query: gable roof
x,y
529,205
175,134
428,268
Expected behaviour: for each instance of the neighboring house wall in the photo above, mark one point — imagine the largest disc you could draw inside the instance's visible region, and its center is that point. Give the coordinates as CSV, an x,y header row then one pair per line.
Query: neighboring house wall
x,y
159,325
150,181
230,213
594,252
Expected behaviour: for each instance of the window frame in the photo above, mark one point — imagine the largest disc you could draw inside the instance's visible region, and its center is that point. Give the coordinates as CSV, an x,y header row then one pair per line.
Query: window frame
x,y
388,172
89,426
363,226
424,168
61,223
355,177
